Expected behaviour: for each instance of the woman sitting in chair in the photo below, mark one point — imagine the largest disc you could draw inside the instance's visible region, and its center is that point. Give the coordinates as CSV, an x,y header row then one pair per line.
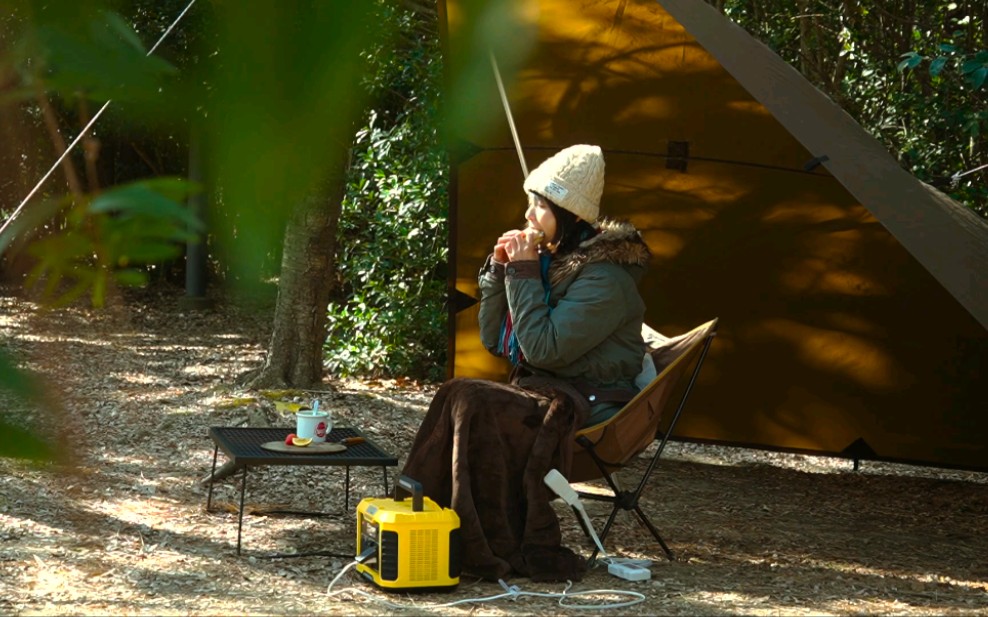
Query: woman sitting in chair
x,y
559,299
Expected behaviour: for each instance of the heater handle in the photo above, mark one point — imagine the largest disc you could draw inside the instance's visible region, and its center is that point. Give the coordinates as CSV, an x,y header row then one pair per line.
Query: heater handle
x,y
408,487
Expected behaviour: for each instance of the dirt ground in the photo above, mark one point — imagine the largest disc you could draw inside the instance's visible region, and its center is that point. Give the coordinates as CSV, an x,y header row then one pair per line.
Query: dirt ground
x,y
119,526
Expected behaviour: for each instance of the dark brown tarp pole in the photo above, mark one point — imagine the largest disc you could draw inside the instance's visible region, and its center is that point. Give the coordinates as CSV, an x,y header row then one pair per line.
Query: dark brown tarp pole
x,y
948,239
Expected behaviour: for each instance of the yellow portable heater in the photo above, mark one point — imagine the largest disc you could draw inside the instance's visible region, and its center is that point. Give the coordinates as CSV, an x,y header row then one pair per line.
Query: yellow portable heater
x,y
408,544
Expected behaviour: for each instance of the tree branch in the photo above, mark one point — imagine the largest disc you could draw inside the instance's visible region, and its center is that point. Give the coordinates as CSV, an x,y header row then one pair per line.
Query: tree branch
x,y
51,123
90,148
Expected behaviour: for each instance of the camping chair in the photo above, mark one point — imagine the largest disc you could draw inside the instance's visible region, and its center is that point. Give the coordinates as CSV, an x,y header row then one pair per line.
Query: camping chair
x,y
610,445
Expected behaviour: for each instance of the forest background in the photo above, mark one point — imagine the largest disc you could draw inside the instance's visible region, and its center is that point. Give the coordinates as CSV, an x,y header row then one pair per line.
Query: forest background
x,y
301,151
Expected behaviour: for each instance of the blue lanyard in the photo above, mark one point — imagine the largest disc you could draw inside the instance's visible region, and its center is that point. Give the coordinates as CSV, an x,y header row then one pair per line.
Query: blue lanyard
x,y
513,351
545,259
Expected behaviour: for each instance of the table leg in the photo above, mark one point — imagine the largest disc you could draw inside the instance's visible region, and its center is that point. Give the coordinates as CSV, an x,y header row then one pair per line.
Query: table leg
x,y
346,500
240,518
212,474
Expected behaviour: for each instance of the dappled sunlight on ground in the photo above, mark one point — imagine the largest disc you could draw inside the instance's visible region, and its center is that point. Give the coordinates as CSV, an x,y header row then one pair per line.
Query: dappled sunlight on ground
x,y
123,530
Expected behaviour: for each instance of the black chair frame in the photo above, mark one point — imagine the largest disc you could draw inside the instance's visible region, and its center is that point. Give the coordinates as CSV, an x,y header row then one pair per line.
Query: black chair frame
x,y
629,500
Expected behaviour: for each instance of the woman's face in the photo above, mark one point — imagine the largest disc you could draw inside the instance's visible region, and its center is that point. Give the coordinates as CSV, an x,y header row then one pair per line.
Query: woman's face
x,y
539,216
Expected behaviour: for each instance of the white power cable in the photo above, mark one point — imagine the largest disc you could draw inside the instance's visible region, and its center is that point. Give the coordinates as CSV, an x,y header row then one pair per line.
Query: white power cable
x,y
85,129
628,569
560,485
512,592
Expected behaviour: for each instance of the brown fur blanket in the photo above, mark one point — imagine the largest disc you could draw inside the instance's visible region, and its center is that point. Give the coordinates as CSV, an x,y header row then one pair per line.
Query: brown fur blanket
x,y
483,450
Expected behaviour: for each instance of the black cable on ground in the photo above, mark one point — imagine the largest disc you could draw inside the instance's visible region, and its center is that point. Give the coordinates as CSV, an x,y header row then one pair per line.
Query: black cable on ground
x,y
309,554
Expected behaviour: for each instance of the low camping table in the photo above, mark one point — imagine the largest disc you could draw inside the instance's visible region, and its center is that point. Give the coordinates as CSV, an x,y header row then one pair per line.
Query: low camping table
x,y
243,447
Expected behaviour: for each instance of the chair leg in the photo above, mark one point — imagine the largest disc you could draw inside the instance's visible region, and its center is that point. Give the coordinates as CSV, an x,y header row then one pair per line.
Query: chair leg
x,y
655,532
623,497
610,522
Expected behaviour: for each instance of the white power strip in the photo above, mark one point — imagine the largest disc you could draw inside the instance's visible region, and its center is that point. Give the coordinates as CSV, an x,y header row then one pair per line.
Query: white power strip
x,y
629,571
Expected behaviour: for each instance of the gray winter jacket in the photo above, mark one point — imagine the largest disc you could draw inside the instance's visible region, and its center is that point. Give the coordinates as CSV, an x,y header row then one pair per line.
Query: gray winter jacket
x,y
589,329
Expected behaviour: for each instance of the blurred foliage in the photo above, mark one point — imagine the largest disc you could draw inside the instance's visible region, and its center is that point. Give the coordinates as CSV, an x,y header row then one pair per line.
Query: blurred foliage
x,y
58,62
280,113
61,62
911,73
104,238
17,388
272,94
62,51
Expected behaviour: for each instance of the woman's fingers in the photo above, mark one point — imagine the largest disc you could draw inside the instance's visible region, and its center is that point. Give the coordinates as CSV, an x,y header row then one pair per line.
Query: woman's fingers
x,y
523,245
508,235
518,244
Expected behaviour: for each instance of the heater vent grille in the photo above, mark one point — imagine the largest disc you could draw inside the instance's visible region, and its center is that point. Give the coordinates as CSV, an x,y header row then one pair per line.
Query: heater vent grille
x,y
425,554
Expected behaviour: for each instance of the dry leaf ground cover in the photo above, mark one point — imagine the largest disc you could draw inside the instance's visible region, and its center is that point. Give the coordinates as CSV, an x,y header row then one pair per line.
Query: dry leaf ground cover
x,y
119,526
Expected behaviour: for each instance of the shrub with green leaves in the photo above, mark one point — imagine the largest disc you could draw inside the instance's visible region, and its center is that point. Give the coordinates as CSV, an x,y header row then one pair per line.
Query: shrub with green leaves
x,y
911,73
389,315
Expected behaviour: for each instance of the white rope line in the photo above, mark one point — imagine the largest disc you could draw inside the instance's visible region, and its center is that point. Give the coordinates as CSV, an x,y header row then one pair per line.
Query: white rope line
x,y
958,176
507,112
171,27
86,128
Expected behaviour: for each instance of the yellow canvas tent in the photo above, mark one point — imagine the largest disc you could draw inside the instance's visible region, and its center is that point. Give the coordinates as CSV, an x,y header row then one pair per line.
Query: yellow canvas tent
x,y
852,298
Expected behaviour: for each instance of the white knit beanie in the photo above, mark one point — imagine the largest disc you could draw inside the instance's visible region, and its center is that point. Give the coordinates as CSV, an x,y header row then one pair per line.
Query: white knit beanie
x,y
573,179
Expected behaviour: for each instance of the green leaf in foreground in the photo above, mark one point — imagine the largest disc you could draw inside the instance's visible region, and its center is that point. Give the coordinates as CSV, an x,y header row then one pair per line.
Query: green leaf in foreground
x,y
18,441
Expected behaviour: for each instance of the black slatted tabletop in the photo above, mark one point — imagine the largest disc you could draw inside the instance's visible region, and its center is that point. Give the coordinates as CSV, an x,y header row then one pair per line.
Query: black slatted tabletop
x,y
243,446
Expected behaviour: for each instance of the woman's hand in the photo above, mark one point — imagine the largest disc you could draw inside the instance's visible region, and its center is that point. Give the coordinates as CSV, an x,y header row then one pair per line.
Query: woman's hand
x,y
517,245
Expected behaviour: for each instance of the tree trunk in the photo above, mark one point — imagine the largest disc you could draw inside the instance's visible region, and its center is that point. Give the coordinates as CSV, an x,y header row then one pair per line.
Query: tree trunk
x,y
295,352
806,46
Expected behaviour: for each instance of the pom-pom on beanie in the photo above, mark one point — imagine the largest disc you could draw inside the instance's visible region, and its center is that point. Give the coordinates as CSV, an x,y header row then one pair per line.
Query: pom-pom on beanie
x,y
573,179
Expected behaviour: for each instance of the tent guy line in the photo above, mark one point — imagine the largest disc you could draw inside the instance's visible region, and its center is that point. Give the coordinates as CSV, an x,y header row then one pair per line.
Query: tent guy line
x,y
507,112
957,176
704,159
86,128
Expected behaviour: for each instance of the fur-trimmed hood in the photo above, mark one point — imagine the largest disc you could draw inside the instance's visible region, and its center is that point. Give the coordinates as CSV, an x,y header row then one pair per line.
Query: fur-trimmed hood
x,y
618,242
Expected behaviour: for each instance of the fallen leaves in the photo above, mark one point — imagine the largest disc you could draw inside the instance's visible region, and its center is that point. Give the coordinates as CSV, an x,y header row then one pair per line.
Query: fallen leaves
x,y
126,532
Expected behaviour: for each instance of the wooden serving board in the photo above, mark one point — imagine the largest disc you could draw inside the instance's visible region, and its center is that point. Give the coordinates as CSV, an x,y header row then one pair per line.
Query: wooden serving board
x,y
313,448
